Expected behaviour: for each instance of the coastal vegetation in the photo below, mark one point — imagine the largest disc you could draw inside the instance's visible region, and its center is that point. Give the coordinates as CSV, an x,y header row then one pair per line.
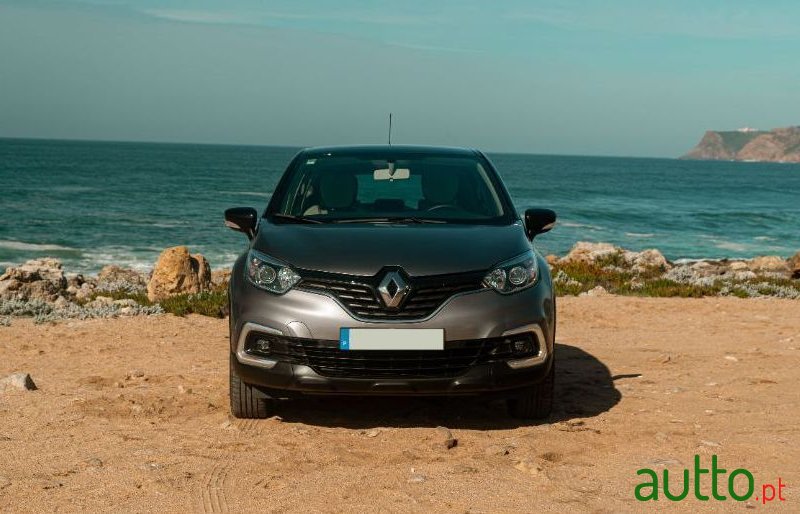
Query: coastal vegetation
x,y
182,283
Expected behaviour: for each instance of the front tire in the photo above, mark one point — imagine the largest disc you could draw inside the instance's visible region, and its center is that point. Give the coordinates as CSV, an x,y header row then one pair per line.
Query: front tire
x,y
535,402
247,402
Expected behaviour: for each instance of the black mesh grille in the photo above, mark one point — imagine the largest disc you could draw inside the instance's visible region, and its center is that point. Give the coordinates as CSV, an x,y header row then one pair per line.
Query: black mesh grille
x,y
325,357
360,295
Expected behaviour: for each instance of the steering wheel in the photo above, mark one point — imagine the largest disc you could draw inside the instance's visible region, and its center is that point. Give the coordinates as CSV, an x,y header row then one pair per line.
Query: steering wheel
x,y
444,206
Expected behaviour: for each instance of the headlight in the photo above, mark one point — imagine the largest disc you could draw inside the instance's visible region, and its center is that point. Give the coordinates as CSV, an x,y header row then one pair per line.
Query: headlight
x,y
513,275
269,274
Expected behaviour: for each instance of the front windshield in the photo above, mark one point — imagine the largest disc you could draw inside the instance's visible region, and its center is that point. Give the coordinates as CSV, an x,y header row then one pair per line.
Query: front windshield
x,y
410,188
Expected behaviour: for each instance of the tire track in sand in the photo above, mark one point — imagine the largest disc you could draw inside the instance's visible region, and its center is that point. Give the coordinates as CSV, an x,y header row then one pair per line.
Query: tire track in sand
x,y
213,485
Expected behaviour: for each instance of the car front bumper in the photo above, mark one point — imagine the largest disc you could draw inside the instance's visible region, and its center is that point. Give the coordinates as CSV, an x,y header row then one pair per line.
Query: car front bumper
x,y
476,315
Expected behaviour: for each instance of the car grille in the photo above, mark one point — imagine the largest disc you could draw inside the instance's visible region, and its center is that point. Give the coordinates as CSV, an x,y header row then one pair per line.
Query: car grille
x,y
359,294
326,359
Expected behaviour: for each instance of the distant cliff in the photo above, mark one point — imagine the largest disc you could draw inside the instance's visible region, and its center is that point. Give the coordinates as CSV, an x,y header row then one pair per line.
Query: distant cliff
x,y
777,145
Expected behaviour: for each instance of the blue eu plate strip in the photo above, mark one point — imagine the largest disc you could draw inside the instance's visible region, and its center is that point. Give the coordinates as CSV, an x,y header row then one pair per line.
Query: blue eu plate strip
x,y
344,338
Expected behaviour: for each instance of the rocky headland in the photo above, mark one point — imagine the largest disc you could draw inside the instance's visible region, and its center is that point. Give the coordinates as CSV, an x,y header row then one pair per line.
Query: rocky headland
x,y
776,145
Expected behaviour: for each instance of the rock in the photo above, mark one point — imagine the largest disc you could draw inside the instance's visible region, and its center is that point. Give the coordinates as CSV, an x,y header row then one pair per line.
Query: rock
x,y
86,290
551,259
529,467
416,478
125,302
589,253
449,440
794,265
596,291
646,259
373,432
738,266
176,272
21,381
37,279
220,277
496,449
768,263
116,278
61,303
94,463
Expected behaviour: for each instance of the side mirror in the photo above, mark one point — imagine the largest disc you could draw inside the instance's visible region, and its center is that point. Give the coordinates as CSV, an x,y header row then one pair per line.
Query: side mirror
x,y
242,219
539,221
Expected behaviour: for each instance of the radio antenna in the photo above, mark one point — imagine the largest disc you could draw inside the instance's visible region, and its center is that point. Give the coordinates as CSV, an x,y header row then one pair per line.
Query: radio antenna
x,y
390,129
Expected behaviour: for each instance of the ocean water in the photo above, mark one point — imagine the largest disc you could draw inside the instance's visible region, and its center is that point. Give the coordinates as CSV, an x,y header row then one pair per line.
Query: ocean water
x,y
97,203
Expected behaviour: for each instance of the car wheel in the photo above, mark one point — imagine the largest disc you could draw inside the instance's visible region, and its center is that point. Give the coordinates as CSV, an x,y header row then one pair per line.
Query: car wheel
x,y
247,401
535,402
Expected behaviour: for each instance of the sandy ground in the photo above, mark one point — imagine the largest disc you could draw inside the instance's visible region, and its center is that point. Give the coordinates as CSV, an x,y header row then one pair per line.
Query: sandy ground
x,y
132,415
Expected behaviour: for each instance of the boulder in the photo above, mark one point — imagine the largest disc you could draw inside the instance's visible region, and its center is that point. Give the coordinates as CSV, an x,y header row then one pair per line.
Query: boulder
x,y
220,277
738,265
646,259
794,265
768,263
596,291
21,381
587,252
114,278
177,272
37,279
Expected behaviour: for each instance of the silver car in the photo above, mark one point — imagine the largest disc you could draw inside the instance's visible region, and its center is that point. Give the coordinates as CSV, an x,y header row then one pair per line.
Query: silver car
x,y
391,270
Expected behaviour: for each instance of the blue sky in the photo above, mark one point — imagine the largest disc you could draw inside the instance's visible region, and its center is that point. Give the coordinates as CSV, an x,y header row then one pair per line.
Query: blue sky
x,y
612,77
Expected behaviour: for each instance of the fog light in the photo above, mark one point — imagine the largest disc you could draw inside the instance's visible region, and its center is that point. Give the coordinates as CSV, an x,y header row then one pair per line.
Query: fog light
x,y
261,346
522,346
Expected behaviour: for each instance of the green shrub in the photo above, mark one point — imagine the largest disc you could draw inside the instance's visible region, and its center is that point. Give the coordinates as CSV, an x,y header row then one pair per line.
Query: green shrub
x,y
208,303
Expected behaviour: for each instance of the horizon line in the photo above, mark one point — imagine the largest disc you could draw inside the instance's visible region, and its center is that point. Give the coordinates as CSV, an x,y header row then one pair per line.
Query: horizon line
x,y
300,147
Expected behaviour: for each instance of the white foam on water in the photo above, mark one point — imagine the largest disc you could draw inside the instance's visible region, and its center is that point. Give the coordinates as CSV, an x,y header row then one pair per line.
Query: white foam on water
x,y
688,260
730,245
34,247
572,224
636,234
248,193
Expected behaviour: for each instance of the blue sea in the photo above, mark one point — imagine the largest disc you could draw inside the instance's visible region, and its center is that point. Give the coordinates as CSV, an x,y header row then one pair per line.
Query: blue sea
x,y
97,203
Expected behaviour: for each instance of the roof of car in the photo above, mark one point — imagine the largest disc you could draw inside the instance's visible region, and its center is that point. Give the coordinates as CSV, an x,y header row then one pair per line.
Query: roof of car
x,y
357,150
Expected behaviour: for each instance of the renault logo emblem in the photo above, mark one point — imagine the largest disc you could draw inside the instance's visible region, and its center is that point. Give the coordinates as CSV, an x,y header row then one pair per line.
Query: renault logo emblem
x,y
393,289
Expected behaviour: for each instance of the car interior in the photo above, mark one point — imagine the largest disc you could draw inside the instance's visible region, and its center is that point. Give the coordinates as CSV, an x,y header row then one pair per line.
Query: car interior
x,y
432,190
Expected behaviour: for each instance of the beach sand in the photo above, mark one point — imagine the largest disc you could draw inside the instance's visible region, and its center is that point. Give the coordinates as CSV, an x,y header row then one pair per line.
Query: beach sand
x,y
132,415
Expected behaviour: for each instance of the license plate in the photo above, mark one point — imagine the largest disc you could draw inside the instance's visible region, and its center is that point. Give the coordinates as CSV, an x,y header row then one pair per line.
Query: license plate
x,y
391,339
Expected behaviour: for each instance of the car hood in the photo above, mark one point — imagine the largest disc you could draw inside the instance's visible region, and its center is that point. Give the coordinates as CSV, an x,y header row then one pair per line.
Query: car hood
x,y
364,249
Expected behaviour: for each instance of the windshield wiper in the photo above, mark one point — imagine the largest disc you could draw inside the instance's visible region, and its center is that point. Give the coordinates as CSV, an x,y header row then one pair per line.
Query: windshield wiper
x,y
295,219
390,219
